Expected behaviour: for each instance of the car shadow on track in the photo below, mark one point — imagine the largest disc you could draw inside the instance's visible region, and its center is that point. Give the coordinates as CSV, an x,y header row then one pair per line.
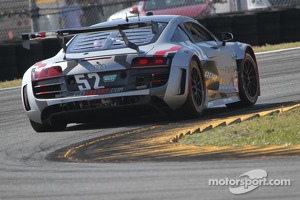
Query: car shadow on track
x,y
117,119
153,144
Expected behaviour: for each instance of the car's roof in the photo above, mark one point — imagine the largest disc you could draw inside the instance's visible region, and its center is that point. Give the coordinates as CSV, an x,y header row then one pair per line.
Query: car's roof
x,y
156,18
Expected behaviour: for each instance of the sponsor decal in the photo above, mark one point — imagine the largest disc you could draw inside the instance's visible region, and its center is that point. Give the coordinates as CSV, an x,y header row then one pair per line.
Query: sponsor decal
x,y
109,78
235,81
209,75
116,90
229,69
235,73
234,56
99,91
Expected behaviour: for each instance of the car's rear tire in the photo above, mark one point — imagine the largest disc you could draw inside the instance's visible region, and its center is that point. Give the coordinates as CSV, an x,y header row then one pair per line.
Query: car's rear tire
x,y
248,83
57,124
45,127
194,104
39,127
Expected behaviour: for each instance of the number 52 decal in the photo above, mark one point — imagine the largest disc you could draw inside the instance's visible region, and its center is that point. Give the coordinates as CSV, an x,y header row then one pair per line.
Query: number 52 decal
x,y
84,81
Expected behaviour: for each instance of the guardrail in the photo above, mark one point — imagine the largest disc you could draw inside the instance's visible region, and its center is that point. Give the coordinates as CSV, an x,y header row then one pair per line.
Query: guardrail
x,y
15,60
255,28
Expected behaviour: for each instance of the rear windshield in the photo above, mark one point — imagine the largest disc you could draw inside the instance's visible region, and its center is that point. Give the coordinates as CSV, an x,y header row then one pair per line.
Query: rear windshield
x,y
112,39
165,4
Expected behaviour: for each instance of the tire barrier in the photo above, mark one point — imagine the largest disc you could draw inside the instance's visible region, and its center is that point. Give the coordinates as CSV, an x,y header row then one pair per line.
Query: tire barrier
x,y
8,68
50,47
217,25
8,65
8,50
271,26
15,60
255,27
244,28
26,58
268,27
290,26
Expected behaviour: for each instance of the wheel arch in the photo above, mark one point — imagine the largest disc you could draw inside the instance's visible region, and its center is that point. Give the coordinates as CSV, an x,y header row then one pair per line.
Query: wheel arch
x,y
188,109
179,65
250,51
197,59
241,50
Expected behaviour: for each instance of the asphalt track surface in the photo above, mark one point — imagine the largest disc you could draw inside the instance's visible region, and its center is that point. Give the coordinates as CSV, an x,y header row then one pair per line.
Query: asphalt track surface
x,y
26,174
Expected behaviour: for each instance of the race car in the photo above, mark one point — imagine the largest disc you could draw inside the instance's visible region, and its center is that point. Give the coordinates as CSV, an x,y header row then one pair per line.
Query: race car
x,y
166,63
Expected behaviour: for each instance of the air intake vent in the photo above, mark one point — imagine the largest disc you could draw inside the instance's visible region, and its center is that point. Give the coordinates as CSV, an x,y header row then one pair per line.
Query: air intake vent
x,y
48,89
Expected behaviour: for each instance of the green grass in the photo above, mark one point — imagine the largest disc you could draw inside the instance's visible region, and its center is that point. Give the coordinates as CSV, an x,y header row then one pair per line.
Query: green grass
x,y
257,49
12,83
276,129
269,47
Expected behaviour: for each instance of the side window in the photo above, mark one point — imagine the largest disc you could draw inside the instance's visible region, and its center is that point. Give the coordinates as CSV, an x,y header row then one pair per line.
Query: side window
x,y
198,33
179,36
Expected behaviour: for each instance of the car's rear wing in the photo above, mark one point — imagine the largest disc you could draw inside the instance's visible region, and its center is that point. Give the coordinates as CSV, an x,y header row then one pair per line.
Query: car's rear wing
x,y
62,33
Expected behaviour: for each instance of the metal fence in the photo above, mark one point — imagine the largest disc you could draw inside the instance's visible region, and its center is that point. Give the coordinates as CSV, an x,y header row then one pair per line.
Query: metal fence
x,y
18,16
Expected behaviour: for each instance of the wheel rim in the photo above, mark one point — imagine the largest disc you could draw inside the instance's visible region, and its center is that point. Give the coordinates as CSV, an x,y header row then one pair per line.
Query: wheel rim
x,y
250,79
196,86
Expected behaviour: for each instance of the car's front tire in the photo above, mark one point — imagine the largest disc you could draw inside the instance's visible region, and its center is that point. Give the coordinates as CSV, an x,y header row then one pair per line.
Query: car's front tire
x,y
248,83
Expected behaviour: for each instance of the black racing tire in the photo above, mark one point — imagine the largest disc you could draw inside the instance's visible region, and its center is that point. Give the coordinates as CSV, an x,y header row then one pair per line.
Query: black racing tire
x,y
57,124
248,83
194,104
45,127
39,127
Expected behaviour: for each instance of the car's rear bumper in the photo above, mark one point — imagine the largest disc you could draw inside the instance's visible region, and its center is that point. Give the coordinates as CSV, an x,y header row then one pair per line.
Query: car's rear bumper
x,y
74,109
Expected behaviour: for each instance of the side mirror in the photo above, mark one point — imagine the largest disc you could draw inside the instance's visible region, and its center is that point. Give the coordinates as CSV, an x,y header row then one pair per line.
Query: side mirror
x,y
225,37
134,9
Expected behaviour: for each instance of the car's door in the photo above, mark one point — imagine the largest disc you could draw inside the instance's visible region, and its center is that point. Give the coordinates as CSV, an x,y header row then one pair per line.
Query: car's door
x,y
219,65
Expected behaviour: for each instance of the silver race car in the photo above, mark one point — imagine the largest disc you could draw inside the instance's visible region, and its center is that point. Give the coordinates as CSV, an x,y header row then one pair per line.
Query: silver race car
x,y
165,63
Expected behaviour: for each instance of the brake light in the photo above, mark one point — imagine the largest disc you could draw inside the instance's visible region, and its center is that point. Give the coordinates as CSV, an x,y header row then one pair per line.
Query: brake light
x,y
159,61
150,62
143,61
46,72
